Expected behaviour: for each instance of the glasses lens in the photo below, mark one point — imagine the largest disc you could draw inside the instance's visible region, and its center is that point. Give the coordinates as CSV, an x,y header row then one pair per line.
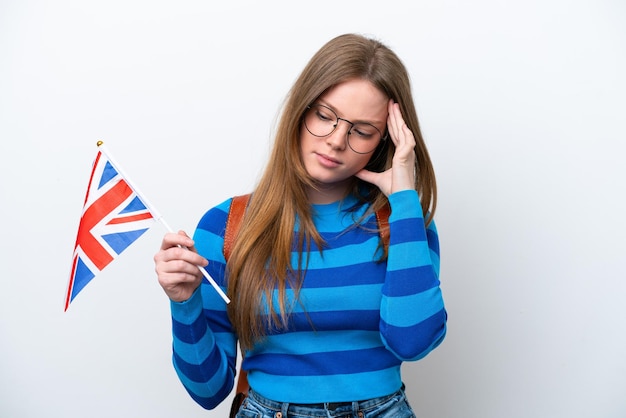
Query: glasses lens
x,y
320,120
364,138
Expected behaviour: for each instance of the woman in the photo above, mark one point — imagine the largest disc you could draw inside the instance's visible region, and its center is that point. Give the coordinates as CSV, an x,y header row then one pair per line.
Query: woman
x,y
325,313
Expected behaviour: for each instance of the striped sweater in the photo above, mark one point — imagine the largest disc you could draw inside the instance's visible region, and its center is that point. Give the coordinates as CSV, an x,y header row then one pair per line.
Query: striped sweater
x,y
358,321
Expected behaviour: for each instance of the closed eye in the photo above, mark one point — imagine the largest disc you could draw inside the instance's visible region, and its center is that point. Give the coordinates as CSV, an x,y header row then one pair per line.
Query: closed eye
x,y
323,116
364,131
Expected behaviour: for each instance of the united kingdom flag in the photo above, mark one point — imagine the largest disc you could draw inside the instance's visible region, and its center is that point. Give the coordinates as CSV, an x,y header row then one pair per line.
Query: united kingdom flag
x,y
113,218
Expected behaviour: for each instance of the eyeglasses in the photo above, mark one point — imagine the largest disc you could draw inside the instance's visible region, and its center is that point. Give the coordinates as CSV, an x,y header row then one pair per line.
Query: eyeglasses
x,y
321,121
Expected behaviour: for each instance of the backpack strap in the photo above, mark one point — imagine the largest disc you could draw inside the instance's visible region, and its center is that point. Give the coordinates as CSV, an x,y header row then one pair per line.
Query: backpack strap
x,y
382,217
233,222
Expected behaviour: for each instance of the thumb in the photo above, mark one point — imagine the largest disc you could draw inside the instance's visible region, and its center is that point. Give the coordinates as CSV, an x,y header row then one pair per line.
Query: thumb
x,y
380,180
368,176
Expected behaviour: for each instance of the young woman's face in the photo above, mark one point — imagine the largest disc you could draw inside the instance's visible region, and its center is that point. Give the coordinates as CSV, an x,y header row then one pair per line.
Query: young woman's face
x,y
329,160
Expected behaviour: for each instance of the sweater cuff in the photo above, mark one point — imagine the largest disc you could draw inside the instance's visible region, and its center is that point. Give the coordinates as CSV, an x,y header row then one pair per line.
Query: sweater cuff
x,y
187,311
405,204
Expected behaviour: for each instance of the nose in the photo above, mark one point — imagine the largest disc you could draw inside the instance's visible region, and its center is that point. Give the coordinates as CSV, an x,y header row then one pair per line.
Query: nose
x,y
338,139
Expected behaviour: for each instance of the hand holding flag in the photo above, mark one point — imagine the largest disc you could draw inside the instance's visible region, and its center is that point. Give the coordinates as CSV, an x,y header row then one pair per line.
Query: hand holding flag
x,y
114,216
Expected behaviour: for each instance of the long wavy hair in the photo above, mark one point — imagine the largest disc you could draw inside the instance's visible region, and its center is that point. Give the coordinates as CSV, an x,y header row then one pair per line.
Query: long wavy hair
x,y
260,262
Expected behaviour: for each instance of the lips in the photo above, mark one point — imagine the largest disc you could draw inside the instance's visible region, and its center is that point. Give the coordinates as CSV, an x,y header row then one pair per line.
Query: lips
x,y
327,161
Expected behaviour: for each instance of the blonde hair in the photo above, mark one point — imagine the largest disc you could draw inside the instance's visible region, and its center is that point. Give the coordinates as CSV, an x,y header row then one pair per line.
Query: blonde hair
x,y
260,261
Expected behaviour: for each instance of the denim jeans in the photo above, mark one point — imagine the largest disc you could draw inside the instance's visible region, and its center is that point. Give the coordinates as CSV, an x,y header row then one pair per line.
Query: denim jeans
x,y
390,406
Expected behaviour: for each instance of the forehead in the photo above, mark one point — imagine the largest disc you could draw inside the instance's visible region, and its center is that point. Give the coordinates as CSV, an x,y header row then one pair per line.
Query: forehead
x,y
357,99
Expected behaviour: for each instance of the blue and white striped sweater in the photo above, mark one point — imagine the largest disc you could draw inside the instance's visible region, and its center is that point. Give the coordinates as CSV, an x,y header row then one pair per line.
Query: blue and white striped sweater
x,y
367,317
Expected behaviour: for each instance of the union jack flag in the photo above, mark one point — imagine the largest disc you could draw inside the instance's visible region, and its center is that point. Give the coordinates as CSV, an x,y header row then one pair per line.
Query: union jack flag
x,y
113,218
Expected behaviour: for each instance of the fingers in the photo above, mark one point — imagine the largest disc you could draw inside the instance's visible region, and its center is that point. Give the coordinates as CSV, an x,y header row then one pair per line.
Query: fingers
x,y
178,247
400,133
178,255
392,122
176,265
403,163
173,240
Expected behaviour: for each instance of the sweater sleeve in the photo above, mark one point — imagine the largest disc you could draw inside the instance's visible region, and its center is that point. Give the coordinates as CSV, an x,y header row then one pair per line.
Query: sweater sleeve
x,y
413,316
204,344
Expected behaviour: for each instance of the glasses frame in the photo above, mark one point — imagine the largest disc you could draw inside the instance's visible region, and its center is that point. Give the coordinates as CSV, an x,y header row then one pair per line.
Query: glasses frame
x,y
383,137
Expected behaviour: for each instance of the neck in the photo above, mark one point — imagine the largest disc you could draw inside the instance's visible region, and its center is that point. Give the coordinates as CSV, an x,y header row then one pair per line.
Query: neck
x,y
323,194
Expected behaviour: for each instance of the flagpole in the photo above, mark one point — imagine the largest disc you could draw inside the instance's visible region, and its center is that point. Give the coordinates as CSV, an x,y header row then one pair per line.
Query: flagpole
x,y
156,214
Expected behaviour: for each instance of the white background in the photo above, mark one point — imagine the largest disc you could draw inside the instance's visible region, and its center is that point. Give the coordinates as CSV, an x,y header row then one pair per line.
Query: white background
x,y
523,108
